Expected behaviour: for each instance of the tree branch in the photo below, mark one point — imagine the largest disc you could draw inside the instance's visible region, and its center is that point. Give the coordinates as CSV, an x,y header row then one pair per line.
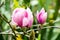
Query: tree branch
x,y
7,22
2,4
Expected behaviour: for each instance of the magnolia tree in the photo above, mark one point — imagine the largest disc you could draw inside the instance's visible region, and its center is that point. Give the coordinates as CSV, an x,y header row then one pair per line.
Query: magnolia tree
x,y
23,18
28,23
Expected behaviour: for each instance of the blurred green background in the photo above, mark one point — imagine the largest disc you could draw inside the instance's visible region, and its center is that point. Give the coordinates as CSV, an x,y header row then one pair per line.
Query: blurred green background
x,y
53,20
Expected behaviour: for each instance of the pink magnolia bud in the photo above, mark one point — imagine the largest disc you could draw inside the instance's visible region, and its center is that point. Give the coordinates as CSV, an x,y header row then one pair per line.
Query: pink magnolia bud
x,y
41,16
22,17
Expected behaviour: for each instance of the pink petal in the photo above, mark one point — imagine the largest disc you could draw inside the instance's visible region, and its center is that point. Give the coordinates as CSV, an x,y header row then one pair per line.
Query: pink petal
x,y
42,11
25,21
30,23
13,23
30,17
18,17
43,18
25,14
29,11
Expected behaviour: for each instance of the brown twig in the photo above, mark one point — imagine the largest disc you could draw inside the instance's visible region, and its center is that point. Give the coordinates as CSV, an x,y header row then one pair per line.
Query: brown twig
x,y
7,22
7,33
2,4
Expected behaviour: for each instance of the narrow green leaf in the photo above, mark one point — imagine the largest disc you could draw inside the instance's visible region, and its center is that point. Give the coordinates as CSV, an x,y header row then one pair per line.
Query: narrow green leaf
x,y
39,37
58,38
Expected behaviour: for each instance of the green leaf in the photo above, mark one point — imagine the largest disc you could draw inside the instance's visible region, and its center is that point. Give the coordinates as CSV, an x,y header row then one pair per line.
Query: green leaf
x,y
50,34
39,37
7,5
56,9
1,37
58,38
43,34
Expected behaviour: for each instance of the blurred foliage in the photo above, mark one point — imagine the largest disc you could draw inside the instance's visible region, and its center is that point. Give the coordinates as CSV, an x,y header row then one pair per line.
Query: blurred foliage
x,y
18,37
52,7
16,4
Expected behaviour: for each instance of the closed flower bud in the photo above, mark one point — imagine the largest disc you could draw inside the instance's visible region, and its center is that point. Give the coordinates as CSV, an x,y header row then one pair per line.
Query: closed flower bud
x,y
41,16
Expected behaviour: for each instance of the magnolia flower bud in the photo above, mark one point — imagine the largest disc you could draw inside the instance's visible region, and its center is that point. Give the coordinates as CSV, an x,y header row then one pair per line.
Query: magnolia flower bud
x,y
22,17
41,16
